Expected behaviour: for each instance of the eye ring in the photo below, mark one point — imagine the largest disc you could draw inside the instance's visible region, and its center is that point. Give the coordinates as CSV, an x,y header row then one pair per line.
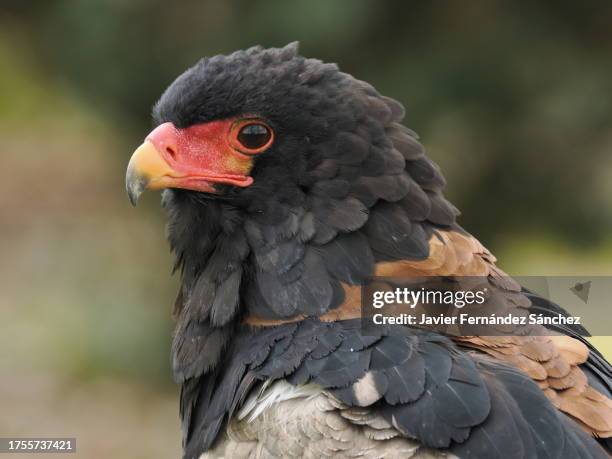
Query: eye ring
x,y
251,136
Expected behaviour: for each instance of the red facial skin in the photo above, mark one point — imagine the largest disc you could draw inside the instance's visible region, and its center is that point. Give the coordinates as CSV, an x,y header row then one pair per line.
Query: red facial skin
x,y
204,154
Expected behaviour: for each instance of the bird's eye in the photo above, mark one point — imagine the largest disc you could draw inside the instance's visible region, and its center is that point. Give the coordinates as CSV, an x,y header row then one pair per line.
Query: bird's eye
x,y
252,137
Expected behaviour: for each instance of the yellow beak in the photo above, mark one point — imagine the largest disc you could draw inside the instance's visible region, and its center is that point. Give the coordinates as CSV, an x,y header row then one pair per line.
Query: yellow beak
x,y
147,169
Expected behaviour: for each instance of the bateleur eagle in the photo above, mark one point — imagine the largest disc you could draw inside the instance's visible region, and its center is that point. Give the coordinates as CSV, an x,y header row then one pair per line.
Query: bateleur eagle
x,y
289,184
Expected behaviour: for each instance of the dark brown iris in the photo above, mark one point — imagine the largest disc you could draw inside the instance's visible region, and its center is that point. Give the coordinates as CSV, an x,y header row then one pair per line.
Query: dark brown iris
x,y
253,136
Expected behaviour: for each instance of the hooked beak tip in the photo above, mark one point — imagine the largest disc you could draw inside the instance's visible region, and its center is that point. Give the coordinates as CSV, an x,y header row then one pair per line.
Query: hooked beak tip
x,y
145,165
134,185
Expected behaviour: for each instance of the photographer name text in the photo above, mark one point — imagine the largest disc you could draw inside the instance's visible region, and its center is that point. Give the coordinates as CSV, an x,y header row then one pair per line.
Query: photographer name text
x,y
467,319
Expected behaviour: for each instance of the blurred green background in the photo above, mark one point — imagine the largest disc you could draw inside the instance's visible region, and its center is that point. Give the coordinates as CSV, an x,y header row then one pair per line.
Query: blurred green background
x,y
512,99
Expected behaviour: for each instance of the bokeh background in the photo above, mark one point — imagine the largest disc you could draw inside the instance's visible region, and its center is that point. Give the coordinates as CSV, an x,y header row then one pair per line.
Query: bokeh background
x,y
512,99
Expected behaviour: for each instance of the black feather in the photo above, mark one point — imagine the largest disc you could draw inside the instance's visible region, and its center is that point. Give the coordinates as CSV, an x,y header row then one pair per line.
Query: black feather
x,y
348,258
393,236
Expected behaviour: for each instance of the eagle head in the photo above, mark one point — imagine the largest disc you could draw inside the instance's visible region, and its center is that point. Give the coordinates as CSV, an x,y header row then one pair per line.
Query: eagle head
x,y
285,180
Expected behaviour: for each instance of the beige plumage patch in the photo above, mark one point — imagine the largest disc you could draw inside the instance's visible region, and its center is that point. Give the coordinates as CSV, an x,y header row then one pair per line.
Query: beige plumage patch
x,y
307,424
365,390
450,254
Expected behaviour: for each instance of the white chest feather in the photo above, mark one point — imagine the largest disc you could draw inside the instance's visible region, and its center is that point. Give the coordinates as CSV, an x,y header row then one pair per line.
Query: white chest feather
x,y
281,420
